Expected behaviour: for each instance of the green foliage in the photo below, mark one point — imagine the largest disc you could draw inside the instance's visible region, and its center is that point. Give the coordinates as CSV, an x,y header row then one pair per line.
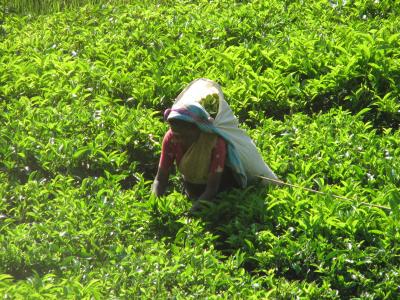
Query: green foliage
x,y
211,104
82,88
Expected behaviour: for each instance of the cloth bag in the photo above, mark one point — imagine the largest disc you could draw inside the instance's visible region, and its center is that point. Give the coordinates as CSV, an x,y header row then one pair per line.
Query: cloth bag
x,y
243,156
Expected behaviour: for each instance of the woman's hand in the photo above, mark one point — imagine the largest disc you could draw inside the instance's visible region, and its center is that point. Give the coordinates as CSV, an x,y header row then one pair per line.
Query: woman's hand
x,y
212,187
160,184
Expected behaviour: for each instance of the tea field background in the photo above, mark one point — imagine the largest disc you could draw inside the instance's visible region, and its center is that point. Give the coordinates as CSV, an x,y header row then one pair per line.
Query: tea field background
x,y
83,85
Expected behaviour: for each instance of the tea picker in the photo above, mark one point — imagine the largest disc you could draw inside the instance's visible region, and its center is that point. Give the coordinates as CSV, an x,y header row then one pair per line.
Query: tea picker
x,y
210,150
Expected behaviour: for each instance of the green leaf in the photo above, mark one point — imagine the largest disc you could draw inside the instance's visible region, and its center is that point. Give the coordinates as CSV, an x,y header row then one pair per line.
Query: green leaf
x,y
81,152
363,112
394,202
376,231
276,203
6,277
394,38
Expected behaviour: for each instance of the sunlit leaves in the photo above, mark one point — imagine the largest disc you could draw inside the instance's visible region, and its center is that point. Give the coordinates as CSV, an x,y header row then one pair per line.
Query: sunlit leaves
x,y
82,93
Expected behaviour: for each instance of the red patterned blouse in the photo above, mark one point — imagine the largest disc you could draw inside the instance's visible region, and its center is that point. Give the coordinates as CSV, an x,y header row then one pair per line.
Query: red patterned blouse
x,y
172,151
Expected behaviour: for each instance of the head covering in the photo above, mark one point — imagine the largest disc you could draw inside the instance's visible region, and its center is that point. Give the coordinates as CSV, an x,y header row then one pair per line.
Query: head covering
x,y
202,103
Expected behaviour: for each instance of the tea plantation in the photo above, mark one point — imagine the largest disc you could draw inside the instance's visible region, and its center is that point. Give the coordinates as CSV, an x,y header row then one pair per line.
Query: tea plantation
x,y
83,86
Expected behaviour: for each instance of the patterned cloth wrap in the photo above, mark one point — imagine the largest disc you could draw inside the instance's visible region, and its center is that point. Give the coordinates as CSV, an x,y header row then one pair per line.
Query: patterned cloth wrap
x,y
202,103
195,163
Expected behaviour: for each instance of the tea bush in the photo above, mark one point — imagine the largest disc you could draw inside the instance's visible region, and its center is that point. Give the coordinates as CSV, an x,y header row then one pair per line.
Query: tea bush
x,y
82,90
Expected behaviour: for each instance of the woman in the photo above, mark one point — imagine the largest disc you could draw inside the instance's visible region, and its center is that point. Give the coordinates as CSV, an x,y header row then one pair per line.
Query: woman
x,y
200,158
211,152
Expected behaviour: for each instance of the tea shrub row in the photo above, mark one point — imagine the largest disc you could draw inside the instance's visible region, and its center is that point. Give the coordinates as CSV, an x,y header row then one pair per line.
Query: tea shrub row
x,y
276,58
108,240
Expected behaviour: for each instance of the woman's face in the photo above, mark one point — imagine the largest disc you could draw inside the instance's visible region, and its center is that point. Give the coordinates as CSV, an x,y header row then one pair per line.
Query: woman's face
x,y
186,133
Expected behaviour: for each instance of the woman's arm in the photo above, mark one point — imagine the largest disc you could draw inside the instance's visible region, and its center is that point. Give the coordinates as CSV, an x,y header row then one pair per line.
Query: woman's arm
x,y
212,187
160,183
167,157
